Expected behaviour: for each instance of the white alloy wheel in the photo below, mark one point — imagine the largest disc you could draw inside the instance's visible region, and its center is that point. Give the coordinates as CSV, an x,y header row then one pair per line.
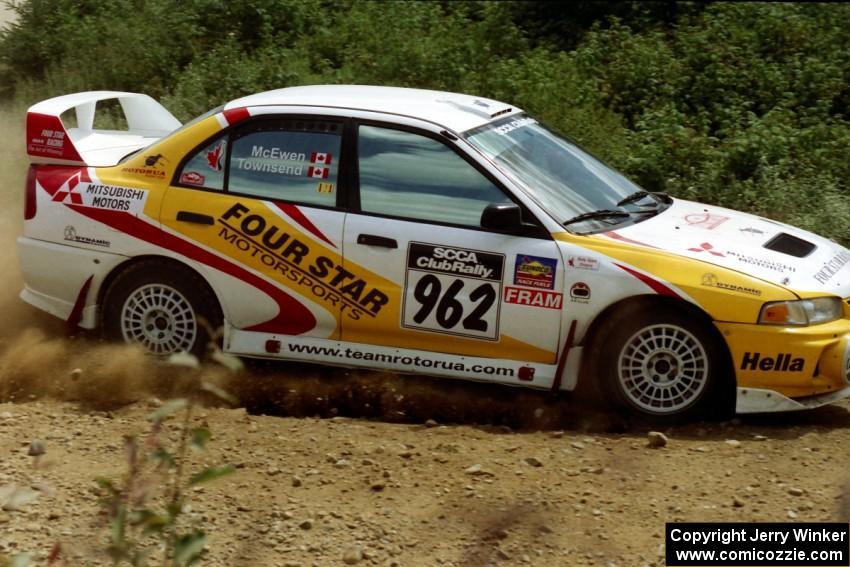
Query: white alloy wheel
x,y
663,369
160,318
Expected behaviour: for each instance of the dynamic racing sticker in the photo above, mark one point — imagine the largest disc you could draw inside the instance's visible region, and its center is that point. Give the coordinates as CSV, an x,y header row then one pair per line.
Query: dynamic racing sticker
x,y
452,290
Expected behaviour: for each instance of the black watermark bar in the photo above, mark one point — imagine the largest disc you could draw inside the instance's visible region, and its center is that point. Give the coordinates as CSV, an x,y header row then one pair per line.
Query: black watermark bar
x,y
742,544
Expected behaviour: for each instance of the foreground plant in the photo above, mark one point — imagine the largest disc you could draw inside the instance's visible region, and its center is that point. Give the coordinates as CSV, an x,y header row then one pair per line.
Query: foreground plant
x,y
146,509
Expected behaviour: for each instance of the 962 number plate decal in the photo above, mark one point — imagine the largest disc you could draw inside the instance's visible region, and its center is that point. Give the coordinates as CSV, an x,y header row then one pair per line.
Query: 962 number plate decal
x,y
452,290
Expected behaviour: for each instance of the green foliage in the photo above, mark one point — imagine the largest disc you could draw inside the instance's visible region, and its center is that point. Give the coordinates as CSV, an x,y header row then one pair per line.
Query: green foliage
x,y
145,510
739,104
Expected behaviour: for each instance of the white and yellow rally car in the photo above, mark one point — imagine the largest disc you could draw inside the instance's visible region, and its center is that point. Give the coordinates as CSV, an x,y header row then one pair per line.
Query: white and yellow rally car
x,y
423,232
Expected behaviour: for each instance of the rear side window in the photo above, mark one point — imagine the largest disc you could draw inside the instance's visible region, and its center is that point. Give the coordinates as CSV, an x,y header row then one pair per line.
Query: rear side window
x,y
287,164
206,168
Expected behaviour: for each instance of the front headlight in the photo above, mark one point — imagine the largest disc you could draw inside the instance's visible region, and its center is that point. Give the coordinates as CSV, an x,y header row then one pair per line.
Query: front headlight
x,y
802,311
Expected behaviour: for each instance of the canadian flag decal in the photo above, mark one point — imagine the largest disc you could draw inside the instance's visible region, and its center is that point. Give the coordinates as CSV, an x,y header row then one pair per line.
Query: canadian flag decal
x,y
324,158
318,172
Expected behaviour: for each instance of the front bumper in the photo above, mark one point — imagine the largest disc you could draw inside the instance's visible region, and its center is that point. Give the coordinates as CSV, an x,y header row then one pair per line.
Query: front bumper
x,y
756,400
792,362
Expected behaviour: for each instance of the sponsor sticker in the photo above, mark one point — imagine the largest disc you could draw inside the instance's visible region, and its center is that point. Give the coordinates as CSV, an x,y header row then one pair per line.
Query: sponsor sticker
x,y
750,231
832,267
251,235
452,290
192,178
705,220
782,362
99,196
580,292
583,263
534,297
711,280
706,247
761,262
70,234
325,188
535,271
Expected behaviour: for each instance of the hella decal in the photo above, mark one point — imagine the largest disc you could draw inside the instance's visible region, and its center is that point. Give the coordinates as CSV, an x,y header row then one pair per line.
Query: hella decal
x,y
280,251
783,362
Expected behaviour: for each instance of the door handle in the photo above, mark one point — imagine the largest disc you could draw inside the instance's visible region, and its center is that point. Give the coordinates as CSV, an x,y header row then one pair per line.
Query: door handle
x,y
373,240
197,218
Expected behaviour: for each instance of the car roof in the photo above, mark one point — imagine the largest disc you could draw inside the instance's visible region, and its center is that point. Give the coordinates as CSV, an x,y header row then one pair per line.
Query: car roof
x,y
458,112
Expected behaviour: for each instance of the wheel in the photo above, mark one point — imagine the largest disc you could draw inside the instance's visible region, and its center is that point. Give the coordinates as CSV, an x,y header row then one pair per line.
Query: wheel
x,y
661,364
160,305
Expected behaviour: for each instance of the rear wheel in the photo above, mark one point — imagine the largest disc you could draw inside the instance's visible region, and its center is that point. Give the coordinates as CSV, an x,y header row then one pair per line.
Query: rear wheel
x,y
162,306
661,363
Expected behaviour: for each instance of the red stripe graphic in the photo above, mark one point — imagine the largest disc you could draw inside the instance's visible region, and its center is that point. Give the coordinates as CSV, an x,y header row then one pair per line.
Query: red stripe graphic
x,y
656,285
295,214
235,115
292,317
620,237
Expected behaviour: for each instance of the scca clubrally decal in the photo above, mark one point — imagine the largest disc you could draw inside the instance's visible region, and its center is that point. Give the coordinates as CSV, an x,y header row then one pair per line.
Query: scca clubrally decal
x,y
452,290
278,250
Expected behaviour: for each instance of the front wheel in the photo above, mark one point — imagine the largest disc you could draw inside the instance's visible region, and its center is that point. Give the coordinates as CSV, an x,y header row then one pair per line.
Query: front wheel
x,y
160,306
661,363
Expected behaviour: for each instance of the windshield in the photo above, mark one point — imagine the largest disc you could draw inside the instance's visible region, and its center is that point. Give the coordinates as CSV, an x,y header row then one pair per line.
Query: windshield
x,y
564,179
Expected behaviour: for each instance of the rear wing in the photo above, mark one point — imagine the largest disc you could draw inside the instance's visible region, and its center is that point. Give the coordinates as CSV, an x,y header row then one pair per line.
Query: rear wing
x,y
49,141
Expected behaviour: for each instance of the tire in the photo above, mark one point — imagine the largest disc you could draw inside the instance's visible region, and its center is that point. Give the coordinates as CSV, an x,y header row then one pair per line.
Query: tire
x,y
662,364
163,306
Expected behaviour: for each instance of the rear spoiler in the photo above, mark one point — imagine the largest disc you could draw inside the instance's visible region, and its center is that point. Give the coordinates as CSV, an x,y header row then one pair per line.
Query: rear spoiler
x,y
49,141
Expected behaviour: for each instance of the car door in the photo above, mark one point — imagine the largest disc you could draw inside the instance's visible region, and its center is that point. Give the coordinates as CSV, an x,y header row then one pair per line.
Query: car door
x,y
261,203
449,285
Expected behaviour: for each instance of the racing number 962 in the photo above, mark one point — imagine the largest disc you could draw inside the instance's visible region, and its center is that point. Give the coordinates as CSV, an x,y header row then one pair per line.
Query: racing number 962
x,y
452,290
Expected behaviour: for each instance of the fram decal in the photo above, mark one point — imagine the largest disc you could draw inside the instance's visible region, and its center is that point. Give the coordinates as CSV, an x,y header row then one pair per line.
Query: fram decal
x,y
192,178
706,247
534,297
535,271
583,263
782,362
580,292
279,251
705,220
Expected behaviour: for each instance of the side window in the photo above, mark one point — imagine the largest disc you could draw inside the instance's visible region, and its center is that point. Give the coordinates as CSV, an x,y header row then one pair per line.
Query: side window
x,y
292,165
408,175
206,168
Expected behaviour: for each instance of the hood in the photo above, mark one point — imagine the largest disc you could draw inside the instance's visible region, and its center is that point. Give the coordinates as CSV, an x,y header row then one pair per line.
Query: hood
x,y
778,253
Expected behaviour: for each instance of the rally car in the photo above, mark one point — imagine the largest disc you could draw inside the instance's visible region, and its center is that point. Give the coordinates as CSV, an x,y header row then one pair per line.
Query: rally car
x,y
422,232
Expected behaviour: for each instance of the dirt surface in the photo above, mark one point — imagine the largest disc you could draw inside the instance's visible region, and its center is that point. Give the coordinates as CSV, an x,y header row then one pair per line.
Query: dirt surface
x,y
428,494
498,476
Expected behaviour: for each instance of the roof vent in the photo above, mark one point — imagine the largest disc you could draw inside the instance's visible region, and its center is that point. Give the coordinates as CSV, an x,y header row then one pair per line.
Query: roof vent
x,y
484,108
791,245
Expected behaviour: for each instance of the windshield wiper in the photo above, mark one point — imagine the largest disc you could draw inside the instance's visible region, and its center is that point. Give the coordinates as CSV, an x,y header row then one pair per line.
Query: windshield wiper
x,y
600,214
659,197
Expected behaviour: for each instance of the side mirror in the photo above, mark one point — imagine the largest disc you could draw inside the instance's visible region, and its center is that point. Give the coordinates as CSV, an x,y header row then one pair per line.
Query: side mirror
x,y
502,217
